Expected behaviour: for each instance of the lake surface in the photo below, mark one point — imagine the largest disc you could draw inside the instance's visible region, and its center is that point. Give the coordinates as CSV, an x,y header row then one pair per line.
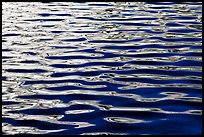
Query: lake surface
x,y
129,68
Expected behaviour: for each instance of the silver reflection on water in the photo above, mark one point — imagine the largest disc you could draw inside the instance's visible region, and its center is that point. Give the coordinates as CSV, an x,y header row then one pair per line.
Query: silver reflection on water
x,y
105,68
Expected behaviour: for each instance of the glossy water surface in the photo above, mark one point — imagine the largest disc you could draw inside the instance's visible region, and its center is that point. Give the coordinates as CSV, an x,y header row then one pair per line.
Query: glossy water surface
x,y
102,68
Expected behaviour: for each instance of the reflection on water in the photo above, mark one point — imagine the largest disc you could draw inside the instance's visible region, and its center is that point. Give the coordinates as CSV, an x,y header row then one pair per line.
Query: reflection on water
x,y
124,68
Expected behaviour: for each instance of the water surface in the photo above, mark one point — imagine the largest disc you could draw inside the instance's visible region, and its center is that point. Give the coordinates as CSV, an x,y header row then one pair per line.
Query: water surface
x,y
129,68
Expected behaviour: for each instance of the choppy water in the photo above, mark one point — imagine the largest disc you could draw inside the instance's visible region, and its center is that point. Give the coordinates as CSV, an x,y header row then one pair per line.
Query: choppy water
x,y
102,68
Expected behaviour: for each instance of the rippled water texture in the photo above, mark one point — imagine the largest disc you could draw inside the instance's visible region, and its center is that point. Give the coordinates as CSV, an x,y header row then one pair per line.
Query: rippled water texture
x,y
102,68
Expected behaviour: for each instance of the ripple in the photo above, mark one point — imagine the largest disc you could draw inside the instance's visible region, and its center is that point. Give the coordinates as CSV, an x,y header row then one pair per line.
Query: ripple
x,y
8,35
105,68
26,70
44,20
73,40
123,120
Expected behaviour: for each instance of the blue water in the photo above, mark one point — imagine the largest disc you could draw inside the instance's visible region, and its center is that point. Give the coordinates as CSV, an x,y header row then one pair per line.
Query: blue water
x,y
129,68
